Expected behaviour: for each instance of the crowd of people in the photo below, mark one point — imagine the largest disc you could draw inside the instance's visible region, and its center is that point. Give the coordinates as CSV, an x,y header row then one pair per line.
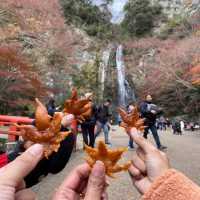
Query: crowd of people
x,y
150,170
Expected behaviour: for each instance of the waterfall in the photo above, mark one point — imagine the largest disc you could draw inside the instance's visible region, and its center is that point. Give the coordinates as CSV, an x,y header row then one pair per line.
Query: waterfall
x,y
125,92
103,69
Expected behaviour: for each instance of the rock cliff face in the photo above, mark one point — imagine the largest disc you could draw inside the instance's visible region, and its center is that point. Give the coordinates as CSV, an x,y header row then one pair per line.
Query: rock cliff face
x,y
174,7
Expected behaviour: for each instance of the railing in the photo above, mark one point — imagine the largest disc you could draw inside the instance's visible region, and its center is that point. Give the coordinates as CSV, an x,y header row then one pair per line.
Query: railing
x,y
7,125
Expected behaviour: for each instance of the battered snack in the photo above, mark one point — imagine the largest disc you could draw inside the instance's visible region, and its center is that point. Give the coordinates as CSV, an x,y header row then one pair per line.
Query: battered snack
x,y
107,156
50,138
131,120
42,119
80,108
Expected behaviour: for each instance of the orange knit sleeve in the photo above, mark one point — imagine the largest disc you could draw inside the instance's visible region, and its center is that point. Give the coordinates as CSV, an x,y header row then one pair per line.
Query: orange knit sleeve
x,y
173,185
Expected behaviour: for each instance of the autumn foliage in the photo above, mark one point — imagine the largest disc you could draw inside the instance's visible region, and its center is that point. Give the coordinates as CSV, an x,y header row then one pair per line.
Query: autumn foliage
x,y
169,70
19,82
36,52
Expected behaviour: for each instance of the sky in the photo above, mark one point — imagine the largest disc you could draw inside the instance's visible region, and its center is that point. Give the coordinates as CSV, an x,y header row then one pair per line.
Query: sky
x,y
116,8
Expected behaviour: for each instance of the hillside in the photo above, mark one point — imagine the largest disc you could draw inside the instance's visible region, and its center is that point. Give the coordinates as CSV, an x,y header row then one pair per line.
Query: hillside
x,y
48,47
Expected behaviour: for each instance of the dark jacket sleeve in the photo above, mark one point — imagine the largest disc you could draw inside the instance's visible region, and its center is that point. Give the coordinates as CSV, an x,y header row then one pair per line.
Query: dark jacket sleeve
x,y
143,109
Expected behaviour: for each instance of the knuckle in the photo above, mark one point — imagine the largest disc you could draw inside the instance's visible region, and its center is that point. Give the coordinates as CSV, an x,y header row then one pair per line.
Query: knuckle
x,y
97,183
155,151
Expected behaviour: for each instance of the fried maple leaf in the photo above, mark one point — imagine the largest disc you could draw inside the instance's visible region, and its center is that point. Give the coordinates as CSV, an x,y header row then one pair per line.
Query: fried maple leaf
x,y
80,108
42,119
50,138
131,120
107,156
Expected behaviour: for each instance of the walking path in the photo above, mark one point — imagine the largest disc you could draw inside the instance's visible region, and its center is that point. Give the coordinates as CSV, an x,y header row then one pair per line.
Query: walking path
x,y
183,151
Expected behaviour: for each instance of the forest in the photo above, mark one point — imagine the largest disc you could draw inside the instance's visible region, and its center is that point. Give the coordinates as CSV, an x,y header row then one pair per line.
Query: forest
x,y
47,47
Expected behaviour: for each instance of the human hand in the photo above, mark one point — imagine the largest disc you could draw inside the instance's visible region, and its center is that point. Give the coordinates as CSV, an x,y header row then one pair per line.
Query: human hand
x,y
148,163
28,144
153,112
67,120
12,185
83,183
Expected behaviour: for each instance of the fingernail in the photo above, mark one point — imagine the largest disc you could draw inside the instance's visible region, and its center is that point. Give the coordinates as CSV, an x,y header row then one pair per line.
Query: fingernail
x,y
36,150
98,169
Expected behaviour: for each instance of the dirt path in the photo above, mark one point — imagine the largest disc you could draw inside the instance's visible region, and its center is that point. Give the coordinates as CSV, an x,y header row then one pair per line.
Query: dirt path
x,y
183,151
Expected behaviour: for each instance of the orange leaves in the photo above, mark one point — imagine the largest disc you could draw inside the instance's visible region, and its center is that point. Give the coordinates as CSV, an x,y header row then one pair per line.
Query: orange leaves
x,y
81,108
42,119
46,132
107,156
131,120
14,65
195,72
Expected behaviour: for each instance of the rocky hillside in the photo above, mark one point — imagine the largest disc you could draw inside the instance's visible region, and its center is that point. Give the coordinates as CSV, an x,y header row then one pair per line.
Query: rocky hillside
x,y
38,51
48,47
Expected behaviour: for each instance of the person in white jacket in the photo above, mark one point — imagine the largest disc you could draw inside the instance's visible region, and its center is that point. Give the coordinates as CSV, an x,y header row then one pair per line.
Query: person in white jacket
x,y
182,126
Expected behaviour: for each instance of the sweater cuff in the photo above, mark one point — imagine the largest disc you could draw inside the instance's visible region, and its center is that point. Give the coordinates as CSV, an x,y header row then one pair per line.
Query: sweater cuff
x,y
172,185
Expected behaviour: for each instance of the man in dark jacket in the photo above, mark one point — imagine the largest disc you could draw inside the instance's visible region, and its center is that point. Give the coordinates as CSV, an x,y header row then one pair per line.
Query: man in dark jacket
x,y
150,111
88,125
51,108
103,116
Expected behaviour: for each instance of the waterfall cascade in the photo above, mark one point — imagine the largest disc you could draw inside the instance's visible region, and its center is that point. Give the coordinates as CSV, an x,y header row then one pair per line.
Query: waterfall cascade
x,y
125,92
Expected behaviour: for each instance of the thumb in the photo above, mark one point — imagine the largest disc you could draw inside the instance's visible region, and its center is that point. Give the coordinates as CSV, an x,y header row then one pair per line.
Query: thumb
x,y
15,171
96,183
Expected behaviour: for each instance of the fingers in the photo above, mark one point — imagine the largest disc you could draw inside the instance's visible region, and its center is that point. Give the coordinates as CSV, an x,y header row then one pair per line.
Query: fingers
x,y
26,194
15,171
141,142
74,183
143,184
134,172
77,176
139,163
96,183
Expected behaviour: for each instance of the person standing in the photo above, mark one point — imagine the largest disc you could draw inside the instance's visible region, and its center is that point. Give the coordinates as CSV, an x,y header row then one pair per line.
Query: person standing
x,y
103,116
182,125
130,108
88,125
150,111
51,108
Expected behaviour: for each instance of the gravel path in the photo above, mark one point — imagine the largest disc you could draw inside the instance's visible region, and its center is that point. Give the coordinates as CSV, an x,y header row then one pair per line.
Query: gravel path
x,y
183,151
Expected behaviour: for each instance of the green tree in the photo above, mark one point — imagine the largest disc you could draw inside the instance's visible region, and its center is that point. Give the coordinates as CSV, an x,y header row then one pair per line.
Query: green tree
x,y
88,78
84,14
140,16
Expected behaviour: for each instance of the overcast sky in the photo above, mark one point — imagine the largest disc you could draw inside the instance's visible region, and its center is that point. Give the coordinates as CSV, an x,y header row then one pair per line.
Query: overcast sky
x,y
116,8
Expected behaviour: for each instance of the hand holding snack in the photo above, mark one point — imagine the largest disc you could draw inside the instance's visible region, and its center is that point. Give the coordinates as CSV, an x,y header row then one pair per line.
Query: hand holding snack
x,y
148,163
83,183
50,137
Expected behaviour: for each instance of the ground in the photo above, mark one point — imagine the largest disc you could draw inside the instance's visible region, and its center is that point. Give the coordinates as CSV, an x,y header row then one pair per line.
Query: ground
x,y
183,151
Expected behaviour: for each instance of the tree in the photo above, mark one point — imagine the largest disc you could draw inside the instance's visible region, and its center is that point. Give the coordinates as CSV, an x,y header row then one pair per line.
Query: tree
x,y
19,82
88,79
92,19
36,33
140,17
169,70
